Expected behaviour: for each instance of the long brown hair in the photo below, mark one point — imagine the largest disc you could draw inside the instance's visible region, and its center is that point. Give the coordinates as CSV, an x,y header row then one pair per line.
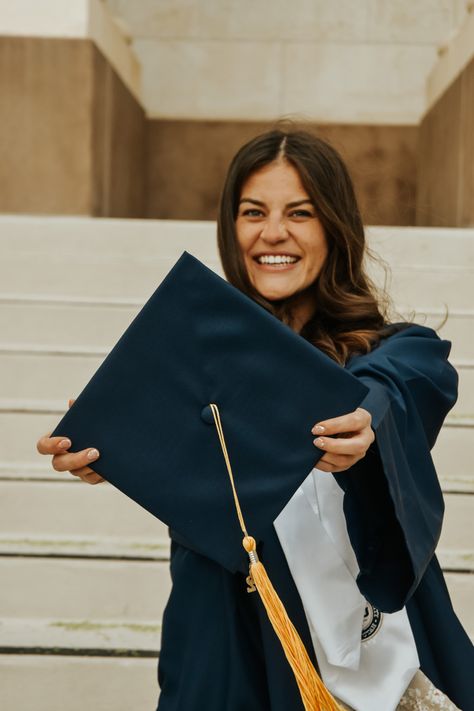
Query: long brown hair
x,y
350,315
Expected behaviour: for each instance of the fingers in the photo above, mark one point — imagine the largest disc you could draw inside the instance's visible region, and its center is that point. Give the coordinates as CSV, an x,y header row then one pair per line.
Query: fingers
x,y
74,462
352,422
326,467
343,451
71,461
52,445
356,445
334,463
88,475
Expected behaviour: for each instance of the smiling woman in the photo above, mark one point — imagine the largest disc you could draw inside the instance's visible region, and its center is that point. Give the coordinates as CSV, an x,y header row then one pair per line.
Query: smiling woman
x,y
351,553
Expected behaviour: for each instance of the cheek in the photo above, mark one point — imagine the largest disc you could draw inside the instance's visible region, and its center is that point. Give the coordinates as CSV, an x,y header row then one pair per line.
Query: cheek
x,y
241,236
317,251
245,241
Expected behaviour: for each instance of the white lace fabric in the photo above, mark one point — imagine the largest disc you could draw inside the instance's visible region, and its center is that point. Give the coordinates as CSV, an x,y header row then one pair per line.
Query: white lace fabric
x,y
421,695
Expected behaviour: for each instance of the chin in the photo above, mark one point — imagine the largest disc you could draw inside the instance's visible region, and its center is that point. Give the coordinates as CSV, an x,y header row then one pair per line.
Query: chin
x,y
276,295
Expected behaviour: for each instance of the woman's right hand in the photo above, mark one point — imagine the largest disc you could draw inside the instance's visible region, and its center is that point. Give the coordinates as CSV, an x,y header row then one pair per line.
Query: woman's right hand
x,y
74,462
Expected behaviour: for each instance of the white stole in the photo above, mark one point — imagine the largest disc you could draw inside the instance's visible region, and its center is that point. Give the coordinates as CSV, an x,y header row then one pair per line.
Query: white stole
x,y
366,658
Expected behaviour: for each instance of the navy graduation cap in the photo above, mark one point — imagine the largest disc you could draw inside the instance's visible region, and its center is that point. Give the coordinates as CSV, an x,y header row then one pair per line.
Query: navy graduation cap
x,y
196,341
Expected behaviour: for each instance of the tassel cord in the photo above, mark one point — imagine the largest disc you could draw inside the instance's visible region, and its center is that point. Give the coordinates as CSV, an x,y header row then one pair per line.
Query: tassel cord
x,y
314,694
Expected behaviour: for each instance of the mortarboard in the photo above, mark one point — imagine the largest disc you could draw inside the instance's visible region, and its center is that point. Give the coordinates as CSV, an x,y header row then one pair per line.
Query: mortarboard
x,y
197,342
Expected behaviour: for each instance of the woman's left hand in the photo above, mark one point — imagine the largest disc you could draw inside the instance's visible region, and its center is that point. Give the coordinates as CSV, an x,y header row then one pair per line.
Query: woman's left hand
x,y
354,435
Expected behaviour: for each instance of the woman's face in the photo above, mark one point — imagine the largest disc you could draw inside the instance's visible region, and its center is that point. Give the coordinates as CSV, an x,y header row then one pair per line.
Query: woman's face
x,y
281,238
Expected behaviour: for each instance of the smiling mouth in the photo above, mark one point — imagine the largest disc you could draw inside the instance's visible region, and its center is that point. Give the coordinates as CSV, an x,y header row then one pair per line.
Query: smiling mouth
x,y
281,259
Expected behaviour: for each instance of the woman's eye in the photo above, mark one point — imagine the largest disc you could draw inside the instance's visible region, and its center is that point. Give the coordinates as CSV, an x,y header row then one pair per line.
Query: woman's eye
x,y
252,212
301,213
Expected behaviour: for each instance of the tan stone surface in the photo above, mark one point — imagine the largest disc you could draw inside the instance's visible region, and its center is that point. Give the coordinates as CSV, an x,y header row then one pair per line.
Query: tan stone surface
x,y
355,82
71,134
45,129
187,161
466,211
404,21
118,146
210,79
446,157
326,61
421,22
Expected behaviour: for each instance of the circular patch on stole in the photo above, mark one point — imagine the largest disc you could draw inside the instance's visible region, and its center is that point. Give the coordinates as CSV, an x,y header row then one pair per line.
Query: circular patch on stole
x,y
371,623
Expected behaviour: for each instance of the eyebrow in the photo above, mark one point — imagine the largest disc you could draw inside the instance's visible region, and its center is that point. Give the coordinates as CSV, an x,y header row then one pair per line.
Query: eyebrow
x,y
290,204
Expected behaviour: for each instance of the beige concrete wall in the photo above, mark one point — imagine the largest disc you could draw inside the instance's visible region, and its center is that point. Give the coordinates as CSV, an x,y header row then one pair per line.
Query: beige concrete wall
x,y
118,146
187,161
45,127
446,157
71,134
363,62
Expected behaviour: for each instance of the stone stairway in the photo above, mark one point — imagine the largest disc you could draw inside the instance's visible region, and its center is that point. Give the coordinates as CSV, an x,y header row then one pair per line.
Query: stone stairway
x,y
84,570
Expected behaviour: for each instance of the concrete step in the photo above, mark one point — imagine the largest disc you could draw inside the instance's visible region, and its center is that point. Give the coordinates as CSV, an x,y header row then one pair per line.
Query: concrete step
x,y
43,376
83,588
138,638
22,422
81,596
75,683
456,545
84,546
455,550
461,590
410,286
71,509
413,287
110,258
97,325
87,238
452,455
141,637
22,428
87,677
423,246
51,372
72,325
80,521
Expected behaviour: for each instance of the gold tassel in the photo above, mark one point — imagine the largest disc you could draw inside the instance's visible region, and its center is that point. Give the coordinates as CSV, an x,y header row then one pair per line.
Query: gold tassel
x,y
314,694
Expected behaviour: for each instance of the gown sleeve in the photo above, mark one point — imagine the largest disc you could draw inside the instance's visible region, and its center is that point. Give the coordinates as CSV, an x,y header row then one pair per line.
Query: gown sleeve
x,y
393,501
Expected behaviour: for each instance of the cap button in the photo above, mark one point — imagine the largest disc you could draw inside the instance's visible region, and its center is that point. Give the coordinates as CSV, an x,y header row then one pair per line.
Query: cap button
x,y
207,416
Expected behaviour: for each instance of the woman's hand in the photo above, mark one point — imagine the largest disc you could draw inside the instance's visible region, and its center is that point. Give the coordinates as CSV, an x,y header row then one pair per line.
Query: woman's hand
x,y
354,435
74,462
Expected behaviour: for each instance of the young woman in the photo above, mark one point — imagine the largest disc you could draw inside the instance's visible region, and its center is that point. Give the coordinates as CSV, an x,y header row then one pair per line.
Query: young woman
x,y
291,237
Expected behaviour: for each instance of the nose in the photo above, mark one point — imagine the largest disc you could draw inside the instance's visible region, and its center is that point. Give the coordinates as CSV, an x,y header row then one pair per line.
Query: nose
x,y
274,230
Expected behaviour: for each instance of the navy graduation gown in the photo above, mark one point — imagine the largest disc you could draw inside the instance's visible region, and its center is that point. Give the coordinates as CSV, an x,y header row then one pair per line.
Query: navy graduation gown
x,y
218,649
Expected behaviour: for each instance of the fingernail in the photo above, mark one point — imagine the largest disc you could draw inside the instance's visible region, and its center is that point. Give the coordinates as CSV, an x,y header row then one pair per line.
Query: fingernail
x,y
65,443
318,429
92,454
319,443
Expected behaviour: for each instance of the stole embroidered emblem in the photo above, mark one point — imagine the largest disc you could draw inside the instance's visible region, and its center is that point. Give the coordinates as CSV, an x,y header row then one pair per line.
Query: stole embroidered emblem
x,y
372,622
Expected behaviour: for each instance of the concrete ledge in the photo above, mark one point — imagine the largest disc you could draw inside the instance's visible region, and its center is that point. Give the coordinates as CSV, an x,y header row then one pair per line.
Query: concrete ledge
x,y
84,19
56,683
85,637
454,56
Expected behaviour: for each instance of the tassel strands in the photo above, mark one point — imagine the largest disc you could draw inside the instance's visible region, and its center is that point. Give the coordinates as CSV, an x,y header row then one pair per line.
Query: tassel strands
x,y
314,694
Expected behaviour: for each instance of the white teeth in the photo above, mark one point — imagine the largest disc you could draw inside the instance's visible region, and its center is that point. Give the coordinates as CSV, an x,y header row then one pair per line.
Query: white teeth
x,y
276,259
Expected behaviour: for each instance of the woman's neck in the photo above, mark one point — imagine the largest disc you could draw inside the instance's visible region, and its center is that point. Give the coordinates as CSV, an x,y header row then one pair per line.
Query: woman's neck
x,y
296,312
